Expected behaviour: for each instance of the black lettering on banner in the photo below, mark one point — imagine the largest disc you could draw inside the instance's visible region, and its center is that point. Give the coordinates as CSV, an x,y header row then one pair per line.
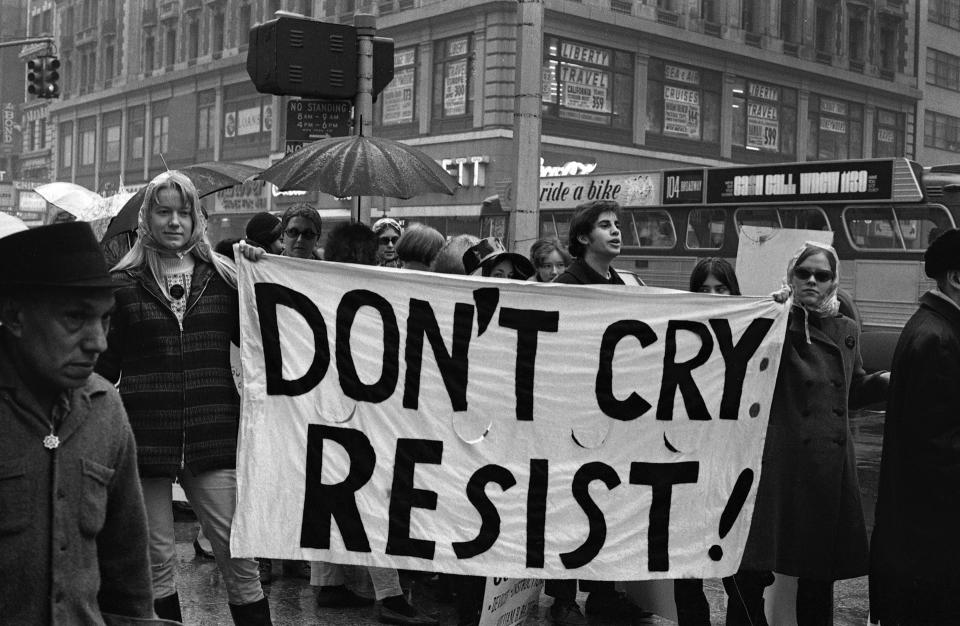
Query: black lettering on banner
x,y
736,358
597,535
528,323
269,296
536,511
489,516
321,502
634,406
350,382
404,497
453,365
680,374
661,477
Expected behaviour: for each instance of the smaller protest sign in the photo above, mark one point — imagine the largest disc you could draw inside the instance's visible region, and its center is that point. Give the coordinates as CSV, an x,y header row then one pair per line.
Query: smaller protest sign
x,y
509,601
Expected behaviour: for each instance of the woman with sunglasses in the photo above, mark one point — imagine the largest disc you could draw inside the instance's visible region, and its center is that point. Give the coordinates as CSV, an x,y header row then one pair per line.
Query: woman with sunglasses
x,y
388,231
301,228
808,520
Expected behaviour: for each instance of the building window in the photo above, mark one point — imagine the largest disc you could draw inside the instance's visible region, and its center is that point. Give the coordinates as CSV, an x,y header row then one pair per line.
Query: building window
x,y
170,47
205,127
161,130
857,34
66,146
945,12
217,40
764,117
788,20
683,102
941,131
890,39
825,28
751,16
708,10
836,129
32,135
135,132
111,144
149,53
889,136
399,96
193,39
943,70
42,133
453,92
587,83
88,147
108,63
243,25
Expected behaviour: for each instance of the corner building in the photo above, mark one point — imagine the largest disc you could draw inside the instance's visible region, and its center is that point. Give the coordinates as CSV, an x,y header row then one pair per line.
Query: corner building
x,y
626,85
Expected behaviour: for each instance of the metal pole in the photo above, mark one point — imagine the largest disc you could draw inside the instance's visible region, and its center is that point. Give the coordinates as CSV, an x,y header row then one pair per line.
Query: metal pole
x,y
366,26
524,218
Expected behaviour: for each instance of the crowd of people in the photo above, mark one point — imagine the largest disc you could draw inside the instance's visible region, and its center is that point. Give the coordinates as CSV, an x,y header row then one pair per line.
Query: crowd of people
x,y
116,382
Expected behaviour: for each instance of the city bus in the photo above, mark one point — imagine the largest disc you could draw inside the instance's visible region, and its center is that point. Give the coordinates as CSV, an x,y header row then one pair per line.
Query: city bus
x,y
881,214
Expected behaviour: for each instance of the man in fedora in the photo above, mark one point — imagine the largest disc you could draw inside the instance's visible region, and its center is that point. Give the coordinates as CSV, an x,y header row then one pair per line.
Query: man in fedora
x,y
914,577
73,532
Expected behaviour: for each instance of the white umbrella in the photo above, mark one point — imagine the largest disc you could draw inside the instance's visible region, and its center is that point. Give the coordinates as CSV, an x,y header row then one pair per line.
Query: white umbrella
x,y
10,224
83,204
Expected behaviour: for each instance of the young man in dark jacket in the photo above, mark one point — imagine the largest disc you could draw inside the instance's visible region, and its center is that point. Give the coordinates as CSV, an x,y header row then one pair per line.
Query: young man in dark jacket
x,y
73,530
594,241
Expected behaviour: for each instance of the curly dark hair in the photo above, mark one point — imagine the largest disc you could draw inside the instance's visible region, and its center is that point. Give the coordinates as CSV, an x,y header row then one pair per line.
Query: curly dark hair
x,y
351,242
583,221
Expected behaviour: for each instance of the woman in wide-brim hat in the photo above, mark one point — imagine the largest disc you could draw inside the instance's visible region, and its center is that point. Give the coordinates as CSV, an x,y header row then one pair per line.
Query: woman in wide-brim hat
x,y
490,258
169,346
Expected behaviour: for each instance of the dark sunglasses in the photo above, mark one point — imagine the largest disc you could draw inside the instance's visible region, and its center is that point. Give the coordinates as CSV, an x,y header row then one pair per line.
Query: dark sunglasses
x,y
294,233
386,241
822,276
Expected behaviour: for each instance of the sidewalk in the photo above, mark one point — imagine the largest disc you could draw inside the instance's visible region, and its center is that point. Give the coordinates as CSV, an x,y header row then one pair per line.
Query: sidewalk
x,y
204,599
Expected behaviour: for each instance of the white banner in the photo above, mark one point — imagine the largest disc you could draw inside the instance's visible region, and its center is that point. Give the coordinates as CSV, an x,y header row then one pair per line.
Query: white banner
x,y
498,428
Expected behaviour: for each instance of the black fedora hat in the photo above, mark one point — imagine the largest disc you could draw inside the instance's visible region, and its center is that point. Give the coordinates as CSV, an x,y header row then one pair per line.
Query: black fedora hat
x,y
59,255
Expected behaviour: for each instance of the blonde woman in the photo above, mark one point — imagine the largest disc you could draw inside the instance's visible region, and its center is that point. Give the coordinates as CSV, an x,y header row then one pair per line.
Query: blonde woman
x,y
169,346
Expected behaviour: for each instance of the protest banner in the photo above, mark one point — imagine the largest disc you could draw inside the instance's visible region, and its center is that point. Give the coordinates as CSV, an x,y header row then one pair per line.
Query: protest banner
x,y
498,428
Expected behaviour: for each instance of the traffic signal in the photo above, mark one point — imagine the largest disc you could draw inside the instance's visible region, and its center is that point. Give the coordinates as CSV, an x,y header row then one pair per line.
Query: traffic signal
x,y
42,76
301,56
382,64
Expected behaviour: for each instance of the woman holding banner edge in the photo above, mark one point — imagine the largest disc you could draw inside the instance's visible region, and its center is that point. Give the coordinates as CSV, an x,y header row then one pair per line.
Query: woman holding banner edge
x,y
808,520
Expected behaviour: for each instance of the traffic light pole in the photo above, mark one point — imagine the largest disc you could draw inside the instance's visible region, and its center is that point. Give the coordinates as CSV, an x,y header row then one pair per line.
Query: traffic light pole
x,y
366,26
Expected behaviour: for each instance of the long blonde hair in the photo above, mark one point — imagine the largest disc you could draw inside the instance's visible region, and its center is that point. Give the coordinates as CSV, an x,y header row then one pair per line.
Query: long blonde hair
x,y
146,251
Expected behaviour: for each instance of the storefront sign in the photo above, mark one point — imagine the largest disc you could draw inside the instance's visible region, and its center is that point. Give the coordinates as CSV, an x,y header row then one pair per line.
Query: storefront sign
x,y
570,168
8,137
763,126
32,208
398,97
585,54
230,124
455,88
847,180
248,120
251,197
683,187
681,74
8,195
681,112
833,125
470,171
626,189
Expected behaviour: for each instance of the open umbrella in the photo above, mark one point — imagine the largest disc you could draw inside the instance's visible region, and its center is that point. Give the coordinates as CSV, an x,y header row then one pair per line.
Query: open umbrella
x,y
10,224
360,166
208,177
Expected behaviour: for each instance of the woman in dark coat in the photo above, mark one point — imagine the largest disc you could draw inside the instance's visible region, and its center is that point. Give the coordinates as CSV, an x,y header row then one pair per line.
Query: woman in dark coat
x,y
169,346
808,520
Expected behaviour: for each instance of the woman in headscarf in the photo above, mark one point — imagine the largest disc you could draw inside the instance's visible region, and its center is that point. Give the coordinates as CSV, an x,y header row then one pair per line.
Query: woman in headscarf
x,y
388,231
169,346
808,521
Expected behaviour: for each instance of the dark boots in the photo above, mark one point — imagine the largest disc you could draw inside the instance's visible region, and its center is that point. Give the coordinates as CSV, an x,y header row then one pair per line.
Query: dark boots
x,y
253,614
168,607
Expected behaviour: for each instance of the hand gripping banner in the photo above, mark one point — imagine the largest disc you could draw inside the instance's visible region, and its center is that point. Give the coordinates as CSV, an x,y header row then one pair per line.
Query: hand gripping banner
x,y
499,428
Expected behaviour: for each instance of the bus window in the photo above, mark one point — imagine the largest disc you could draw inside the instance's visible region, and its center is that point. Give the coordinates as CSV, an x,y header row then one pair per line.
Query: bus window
x,y
628,230
654,228
705,228
555,226
920,225
872,228
805,218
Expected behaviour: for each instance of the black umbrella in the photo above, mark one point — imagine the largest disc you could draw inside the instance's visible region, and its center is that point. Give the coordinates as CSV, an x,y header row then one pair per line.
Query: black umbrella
x,y
208,177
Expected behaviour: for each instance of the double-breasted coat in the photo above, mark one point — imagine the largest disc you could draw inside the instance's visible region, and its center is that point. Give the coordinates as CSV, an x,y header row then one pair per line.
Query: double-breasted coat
x,y
808,520
915,537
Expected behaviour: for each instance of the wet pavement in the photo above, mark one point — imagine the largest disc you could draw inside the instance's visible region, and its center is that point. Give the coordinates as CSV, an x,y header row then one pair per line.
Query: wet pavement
x,y
291,599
